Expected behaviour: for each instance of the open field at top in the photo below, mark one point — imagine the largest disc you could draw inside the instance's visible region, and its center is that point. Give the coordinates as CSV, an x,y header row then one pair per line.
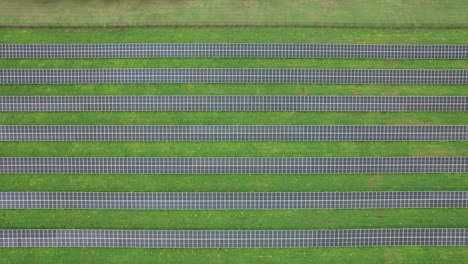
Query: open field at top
x,y
351,13
241,219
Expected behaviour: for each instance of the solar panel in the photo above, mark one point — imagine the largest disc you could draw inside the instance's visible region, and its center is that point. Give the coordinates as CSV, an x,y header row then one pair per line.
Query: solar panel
x,y
231,75
233,238
300,165
233,133
233,50
231,200
234,103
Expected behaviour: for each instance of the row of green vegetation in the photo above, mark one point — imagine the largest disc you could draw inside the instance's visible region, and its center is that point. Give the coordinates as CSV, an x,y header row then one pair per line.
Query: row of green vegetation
x,y
238,219
251,255
234,35
233,183
234,149
236,63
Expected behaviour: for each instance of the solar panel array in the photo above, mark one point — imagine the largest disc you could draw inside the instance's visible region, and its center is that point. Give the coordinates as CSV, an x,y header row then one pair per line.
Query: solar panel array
x,y
231,200
234,103
233,50
230,75
232,165
233,238
233,133
325,165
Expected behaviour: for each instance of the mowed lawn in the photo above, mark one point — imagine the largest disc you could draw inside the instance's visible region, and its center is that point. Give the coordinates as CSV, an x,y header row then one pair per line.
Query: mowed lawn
x,y
238,219
350,13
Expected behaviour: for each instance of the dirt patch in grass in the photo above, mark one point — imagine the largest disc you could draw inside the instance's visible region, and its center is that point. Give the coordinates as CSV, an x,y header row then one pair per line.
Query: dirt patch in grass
x,y
391,92
391,63
357,92
437,152
392,257
303,91
374,181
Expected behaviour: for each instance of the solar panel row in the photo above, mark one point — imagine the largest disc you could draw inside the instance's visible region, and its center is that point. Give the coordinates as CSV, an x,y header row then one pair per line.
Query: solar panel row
x,y
229,75
233,133
234,103
233,238
231,200
233,50
64,165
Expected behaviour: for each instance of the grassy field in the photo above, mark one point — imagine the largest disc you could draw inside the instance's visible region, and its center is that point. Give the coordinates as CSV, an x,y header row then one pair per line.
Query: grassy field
x,y
351,13
234,183
238,219
235,35
280,219
332,255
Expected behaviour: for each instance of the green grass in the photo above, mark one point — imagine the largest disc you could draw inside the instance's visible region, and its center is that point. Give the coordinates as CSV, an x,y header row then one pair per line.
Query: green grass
x,y
233,183
280,219
236,89
353,13
296,255
233,149
234,35
232,118
238,219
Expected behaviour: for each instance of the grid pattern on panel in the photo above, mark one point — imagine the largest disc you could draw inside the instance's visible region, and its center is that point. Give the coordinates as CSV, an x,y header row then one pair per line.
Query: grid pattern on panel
x,y
230,75
234,103
231,200
232,133
323,165
233,238
233,50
